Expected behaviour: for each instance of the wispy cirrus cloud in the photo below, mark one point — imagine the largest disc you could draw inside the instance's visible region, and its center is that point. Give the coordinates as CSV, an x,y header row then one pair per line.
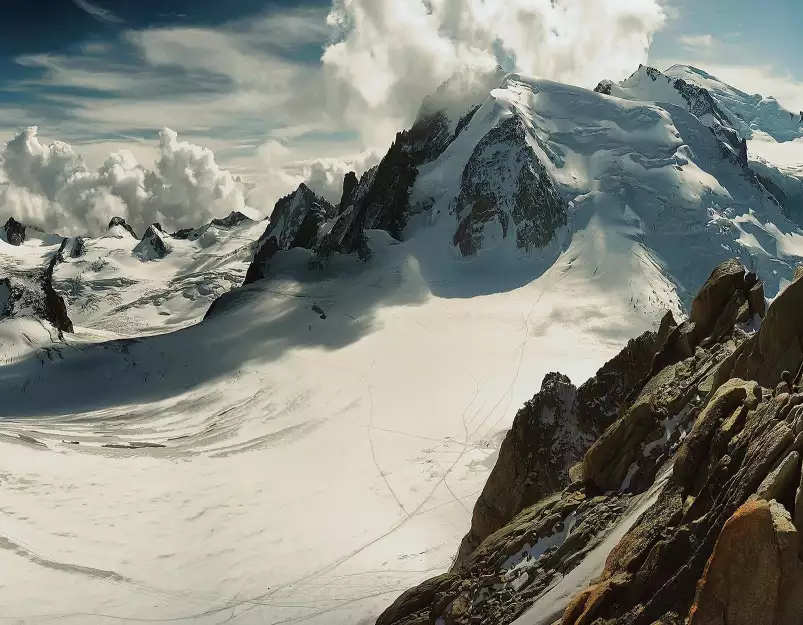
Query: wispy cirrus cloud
x,y
696,42
99,13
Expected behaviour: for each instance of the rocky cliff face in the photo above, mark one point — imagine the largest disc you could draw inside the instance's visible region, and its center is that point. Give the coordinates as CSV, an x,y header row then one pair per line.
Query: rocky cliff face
x,y
552,432
296,221
232,219
36,297
350,183
117,225
154,244
506,191
15,232
686,508
55,310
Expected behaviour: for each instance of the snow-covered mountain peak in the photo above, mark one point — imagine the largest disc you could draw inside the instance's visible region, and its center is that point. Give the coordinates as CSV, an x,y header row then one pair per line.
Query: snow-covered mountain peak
x,y
748,113
459,94
154,243
119,229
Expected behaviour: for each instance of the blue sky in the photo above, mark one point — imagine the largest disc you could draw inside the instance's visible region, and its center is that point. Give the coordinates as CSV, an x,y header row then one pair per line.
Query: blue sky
x,y
245,78
753,45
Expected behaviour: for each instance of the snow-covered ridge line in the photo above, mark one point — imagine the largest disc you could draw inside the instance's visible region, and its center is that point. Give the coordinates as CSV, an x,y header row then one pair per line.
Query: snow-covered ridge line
x,y
122,284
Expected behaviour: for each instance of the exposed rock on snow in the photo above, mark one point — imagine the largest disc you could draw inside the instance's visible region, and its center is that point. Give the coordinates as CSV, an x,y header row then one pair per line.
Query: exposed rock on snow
x,y
154,244
604,87
78,247
350,183
36,296
118,226
55,310
234,218
258,268
382,199
15,232
296,218
296,221
506,190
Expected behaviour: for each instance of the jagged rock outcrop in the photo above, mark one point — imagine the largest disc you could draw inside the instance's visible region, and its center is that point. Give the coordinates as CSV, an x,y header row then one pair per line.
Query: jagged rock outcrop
x,y
15,232
386,203
78,248
601,398
381,200
727,439
37,297
743,159
744,442
350,183
754,574
296,218
259,266
18,297
673,378
553,431
344,236
778,345
545,440
604,87
513,196
154,244
55,310
118,224
296,221
234,218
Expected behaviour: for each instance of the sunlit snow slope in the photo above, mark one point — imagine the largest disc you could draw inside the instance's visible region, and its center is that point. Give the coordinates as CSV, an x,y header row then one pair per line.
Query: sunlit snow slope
x,y
316,445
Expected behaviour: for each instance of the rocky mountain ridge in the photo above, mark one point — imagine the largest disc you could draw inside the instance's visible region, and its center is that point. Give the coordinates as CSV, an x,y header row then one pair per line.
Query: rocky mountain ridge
x,y
503,172
715,427
102,281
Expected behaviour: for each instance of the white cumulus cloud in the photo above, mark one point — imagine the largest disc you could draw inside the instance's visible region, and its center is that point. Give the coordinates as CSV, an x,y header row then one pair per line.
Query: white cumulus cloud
x,y
51,187
389,54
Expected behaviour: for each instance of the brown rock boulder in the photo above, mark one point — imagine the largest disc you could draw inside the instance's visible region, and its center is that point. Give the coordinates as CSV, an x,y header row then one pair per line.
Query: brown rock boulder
x,y
582,609
778,345
754,575
758,304
695,448
533,461
715,294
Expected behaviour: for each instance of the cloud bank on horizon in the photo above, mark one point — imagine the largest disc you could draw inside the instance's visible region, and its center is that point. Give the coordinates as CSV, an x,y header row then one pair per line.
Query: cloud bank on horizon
x,y
51,187
382,57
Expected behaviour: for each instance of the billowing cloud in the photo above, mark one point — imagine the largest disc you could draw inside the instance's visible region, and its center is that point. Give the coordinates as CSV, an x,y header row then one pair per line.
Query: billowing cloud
x,y
50,186
390,54
281,174
275,113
